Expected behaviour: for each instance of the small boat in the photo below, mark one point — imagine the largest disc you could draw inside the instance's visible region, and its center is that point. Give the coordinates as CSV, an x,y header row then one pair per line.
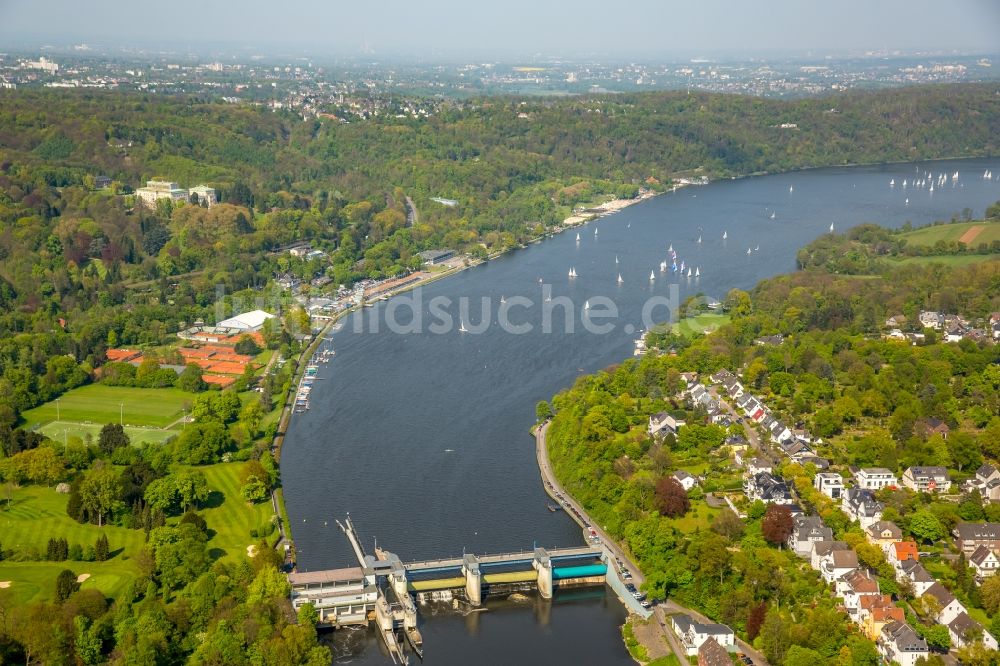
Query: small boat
x,y
595,231
831,227
697,272
553,507
756,248
932,188
773,215
689,272
749,250
892,183
725,235
462,328
682,266
586,304
539,280
699,239
907,202
652,276
578,237
616,259
503,299
572,272
628,226
791,189
671,248
904,183
620,280
663,266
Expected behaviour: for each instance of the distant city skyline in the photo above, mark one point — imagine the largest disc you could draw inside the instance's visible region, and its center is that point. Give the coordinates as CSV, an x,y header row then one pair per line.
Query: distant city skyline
x,y
458,28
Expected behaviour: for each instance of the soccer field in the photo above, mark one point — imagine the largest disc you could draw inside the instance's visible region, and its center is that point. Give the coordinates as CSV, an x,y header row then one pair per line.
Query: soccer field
x,y
138,435
98,404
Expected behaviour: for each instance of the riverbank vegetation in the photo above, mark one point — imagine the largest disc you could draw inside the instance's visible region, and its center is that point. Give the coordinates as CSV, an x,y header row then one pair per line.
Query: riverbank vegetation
x,y
816,347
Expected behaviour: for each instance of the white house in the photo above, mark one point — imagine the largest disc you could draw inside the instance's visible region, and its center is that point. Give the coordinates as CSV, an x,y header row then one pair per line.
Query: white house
x,y
805,531
861,505
686,480
964,630
985,561
823,549
932,479
830,484
917,575
899,643
854,585
693,634
248,321
837,563
663,423
874,478
950,606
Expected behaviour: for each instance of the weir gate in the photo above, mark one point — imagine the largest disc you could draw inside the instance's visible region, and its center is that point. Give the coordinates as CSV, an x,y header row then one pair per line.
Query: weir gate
x,y
382,589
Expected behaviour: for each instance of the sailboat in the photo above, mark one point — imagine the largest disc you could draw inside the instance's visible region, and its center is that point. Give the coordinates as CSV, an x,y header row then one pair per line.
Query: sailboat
x,y
892,183
572,272
616,259
595,231
663,266
791,189
462,328
831,227
682,266
689,272
772,215
578,237
756,248
620,280
749,250
671,248
628,226
503,299
586,304
699,238
907,202
652,276
904,183
932,188
725,235
697,272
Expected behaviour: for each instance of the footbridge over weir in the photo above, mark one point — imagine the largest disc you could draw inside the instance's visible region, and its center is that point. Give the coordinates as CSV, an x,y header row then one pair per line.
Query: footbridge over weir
x,y
382,589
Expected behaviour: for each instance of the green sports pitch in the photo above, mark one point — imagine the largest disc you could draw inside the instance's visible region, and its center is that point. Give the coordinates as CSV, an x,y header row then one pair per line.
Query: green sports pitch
x,y
98,404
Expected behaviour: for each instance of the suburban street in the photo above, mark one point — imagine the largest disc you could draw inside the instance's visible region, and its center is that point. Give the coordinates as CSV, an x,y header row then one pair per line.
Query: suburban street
x,y
663,610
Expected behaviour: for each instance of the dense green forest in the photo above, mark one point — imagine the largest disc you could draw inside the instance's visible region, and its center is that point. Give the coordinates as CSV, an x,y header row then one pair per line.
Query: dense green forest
x,y
84,269
834,374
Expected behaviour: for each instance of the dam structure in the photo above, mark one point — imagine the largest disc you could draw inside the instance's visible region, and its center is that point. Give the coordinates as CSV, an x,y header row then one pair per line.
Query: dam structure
x,y
384,590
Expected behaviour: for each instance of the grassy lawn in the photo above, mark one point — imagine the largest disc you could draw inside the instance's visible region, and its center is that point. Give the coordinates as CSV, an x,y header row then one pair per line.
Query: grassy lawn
x,y
96,403
700,517
137,435
953,232
702,323
228,515
37,514
949,259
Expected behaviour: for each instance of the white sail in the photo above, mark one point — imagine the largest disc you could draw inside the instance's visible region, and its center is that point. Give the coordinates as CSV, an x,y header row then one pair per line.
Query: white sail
x,y
831,227
689,272
652,276
791,189
462,328
892,183
697,272
620,280
725,235
699,239
671,248
749,250
578,237
663,267
586,305
772,215
503,299
616,258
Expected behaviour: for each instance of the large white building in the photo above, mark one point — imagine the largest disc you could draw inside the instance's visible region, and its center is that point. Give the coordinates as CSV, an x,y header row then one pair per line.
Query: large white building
x,y
248,321
165,189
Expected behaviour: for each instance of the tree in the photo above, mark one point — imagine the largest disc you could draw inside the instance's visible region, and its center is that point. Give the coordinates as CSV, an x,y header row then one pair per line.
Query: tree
x,y
937,637
671,498
251,416
756,620
101,549
112,437
254,490
191,486
728,524
66,585
777,524
542,410
925,526
989,594
191,380
246,346
100,492
803,656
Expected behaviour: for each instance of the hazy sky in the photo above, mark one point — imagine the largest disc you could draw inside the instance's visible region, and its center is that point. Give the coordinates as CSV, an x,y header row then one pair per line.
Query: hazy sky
x,y
483,27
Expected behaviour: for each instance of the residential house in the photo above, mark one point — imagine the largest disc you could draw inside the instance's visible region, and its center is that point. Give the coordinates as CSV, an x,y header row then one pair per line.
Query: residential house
x,y
767,488
693,633
830,484
901,551
837,564
899,643
712,654
779,431
987,482
805,531
795,450
874,478
883,533
985,561
689,378
663,423
930,426
758,466
949,605
933,479
767,340
969,536
964,631
823,549
854,585
861,505
100,182
895,321
931,319
686,480
917,575
873,618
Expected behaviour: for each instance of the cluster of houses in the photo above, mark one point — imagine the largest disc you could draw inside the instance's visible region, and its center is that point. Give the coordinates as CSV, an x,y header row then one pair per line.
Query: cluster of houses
x,y
953,327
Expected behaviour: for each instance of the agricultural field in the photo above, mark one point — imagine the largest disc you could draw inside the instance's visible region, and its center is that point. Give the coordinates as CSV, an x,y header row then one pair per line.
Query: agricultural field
x,y
969,233
99,404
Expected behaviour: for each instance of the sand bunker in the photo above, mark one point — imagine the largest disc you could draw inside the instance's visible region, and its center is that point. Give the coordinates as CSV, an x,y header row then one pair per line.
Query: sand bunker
x,y
4,584
82,577
251,551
